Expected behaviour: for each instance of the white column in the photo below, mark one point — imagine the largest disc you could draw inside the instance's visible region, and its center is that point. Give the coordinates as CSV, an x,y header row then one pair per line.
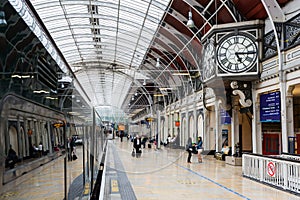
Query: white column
x,y
195,120
158,129
186,130
26,136
255,119
20,149
234,125
290,115
206,129
218,130
259,134
284,134
36,133
177,129
49,137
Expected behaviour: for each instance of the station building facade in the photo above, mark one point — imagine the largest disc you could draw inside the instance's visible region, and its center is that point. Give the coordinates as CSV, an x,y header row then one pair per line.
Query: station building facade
x,y
251,100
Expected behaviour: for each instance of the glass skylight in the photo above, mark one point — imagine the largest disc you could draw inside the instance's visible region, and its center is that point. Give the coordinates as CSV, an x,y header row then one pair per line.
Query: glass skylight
x,y
101,34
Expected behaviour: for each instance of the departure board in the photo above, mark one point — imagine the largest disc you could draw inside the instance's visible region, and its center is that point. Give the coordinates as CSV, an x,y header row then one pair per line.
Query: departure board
x,y
225,117
270,107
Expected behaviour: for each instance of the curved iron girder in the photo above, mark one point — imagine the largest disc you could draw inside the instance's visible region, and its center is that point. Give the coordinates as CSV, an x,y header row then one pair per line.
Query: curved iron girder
x,y
163,78
177,36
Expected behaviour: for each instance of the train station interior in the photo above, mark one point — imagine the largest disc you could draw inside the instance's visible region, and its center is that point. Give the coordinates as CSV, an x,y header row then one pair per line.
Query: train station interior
x,y
82,80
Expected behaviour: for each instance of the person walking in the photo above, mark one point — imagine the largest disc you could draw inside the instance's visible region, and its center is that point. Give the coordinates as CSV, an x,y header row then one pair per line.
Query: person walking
x,y
137,144
199,148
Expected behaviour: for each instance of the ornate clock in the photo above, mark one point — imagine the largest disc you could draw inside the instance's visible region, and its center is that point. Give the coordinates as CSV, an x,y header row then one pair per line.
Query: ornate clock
x,y
209,60
237,52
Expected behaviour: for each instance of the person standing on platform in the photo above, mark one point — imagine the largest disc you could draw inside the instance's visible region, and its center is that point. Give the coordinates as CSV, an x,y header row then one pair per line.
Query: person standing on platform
x,y
12,158
199,148
137,144
69,149
189,149
121,135
72,145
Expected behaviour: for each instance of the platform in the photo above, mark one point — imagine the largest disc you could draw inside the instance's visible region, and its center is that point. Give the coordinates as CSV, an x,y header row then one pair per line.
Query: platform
x,y
156,175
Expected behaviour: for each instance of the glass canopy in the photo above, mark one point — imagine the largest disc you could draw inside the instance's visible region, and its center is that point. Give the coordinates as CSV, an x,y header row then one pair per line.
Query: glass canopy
x,y
104,42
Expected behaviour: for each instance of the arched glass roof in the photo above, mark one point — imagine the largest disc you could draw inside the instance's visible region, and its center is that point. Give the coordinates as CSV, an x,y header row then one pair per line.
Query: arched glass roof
x,y
112,46
104,42
102,31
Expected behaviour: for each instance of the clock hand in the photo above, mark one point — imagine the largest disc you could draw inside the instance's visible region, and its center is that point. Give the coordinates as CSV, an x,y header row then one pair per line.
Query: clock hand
x,y
247,52
238,57
243,53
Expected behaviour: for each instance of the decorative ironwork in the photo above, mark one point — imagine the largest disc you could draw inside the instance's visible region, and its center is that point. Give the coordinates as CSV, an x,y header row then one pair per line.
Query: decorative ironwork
x,y
237,15
243,89
269,45
292,32
289,30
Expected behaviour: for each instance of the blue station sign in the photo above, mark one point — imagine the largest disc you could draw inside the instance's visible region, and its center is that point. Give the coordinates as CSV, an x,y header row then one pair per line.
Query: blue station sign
x,y
270,107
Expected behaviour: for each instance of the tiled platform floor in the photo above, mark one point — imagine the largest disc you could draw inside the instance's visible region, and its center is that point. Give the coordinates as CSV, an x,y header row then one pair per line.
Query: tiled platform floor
x,y
156,175
165,174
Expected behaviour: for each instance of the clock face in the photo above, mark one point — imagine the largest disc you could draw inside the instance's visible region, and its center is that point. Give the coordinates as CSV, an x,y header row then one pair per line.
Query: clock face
x,y
237,53
209,65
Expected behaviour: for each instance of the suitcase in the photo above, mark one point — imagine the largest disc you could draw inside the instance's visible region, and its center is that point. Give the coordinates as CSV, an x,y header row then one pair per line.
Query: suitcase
x,y
218,156
149,146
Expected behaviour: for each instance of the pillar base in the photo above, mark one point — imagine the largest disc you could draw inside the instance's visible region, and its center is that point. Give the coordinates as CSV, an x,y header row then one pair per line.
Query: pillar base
x,y
231,160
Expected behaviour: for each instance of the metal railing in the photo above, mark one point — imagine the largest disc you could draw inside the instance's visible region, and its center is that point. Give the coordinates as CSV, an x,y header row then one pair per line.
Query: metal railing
x,y
280,171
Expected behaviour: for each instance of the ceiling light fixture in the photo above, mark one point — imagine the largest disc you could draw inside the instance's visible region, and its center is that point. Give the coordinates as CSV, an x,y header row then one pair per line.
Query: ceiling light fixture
x,y
190,22
3,22
181,74
21,76
157,62
158,95
52,98
165,88
41,91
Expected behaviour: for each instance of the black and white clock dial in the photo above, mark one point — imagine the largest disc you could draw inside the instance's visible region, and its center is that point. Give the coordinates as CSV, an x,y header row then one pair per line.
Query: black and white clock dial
x,y
237,53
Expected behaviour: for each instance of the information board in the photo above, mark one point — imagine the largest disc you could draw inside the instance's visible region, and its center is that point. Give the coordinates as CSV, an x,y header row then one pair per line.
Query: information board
x,y
225,117
270,107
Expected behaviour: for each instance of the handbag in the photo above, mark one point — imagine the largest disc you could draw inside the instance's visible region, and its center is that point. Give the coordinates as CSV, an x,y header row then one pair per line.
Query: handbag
x,y
133,153
74,157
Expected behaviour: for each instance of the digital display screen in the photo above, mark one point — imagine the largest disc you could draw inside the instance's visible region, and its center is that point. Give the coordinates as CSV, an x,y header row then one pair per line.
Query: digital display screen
x,y
225,117
270,107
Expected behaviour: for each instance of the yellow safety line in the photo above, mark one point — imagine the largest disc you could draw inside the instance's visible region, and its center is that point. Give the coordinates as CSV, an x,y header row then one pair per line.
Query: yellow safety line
x,y
86,189
114,186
